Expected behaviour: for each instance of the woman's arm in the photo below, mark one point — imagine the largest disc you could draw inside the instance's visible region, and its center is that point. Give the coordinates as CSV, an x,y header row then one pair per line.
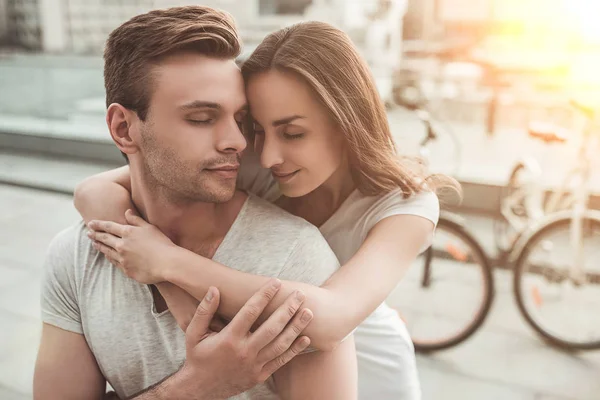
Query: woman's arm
x,y
90,194
339,306
342,303
331,375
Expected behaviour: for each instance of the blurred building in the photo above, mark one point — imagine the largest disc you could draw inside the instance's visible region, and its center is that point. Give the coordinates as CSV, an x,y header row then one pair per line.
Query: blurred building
x,y
3,20
81,26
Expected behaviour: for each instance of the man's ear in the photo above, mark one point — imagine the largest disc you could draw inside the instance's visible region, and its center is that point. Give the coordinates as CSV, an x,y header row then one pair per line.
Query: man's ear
x,y
120,123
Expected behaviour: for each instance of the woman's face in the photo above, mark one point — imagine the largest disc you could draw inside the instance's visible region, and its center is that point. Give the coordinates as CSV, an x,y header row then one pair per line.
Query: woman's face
x,y
295,135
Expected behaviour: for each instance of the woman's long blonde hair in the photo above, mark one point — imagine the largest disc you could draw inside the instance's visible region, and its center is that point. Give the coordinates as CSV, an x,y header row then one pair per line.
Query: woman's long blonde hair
x,y
328,62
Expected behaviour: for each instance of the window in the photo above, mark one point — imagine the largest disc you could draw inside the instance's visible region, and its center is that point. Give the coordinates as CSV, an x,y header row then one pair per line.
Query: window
x,y
283,7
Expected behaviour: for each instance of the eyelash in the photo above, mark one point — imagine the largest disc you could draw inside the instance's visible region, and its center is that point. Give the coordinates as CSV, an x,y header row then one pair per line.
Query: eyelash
x,y
209,121
293,137
195,122
285,135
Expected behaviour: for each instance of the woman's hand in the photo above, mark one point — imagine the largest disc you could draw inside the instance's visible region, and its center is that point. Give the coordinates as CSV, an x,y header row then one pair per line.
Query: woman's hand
x,y
139,249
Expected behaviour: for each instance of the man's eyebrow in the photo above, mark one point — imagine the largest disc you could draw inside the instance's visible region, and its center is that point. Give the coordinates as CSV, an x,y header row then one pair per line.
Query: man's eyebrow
x,y
286,120
200,104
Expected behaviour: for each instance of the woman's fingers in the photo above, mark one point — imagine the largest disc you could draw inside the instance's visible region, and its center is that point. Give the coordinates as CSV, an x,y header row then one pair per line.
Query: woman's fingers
x,y
108,226
104,238
133,219
109,252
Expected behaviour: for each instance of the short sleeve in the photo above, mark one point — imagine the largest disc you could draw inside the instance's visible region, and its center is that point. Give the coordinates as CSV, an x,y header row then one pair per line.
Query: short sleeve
x,y
59,291
255,179
424,204
311,261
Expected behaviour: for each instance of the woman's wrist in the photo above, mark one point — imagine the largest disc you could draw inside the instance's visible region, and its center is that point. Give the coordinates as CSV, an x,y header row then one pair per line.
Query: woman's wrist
x,y
171,263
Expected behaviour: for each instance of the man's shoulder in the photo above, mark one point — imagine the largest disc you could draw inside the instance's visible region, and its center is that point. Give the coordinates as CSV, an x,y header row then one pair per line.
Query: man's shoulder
x,y
267,240
308,257
68,251
262,213
68,239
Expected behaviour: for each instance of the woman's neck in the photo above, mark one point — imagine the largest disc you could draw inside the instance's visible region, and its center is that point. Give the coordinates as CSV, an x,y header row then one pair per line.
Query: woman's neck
x,y
320,204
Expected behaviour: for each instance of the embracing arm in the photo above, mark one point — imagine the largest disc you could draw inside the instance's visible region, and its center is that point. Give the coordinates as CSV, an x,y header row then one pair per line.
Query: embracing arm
x,y
115,185
339,306
351,294
320,375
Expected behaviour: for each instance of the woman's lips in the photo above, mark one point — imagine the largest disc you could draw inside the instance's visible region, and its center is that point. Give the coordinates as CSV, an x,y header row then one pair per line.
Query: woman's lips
x,y
283,177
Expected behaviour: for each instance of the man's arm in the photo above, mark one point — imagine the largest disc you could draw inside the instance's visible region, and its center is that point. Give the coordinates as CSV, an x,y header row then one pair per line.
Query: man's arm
x,y
221,365
66,368
320,375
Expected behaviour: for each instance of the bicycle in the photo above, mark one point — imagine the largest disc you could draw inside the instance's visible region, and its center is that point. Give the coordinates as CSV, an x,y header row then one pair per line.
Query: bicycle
x,y
436,299
550,255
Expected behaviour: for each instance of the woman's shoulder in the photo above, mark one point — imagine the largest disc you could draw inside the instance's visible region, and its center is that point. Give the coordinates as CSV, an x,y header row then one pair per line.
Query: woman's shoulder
x,y
397,199
423,204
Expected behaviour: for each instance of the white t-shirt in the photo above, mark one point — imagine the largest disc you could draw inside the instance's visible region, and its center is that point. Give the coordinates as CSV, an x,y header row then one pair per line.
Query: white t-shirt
x,y
386,360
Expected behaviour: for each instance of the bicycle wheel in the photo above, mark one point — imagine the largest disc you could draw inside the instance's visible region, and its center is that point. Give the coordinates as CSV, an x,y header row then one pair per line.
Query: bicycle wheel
x,y
561,307
447,294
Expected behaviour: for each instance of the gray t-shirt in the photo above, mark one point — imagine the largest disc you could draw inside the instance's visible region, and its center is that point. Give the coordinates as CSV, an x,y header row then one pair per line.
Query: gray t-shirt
x,y
135,346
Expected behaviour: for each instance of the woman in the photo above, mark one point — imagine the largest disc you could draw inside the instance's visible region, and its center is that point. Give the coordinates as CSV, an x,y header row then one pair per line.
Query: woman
x,y
323,139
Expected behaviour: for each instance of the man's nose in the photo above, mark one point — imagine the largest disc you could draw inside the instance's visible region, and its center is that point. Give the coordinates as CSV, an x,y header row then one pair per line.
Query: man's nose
x,y
230,138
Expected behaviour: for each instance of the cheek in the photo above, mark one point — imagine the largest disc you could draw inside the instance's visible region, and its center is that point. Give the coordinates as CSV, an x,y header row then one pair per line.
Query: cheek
x,y
321,157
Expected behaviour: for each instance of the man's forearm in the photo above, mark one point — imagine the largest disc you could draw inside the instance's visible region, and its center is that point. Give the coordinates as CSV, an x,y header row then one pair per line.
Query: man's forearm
x,y
173,387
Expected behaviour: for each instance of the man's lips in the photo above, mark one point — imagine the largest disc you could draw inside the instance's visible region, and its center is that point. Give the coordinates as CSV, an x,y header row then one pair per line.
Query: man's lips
x,y
230,167
225,171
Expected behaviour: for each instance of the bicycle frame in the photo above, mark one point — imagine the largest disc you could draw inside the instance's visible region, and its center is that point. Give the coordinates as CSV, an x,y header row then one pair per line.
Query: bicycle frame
x,y
572,198
531,193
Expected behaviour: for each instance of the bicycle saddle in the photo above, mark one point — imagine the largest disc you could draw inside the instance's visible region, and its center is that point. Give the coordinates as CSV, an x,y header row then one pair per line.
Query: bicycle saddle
x,y
547,133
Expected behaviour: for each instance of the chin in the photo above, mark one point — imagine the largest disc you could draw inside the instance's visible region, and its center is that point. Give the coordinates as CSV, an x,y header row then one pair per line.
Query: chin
x,y
216,194
295,190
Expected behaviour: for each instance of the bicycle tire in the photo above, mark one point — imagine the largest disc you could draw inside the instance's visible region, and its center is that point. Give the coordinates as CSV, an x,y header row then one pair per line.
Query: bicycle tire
x,y
518,281
460,232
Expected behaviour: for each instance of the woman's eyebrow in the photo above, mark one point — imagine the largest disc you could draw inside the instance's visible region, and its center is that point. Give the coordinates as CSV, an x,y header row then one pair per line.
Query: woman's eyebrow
x,y
286,120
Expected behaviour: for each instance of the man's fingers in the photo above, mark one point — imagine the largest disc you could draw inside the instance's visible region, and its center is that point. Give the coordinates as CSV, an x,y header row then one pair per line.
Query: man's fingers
x,y
241,324
217,324
133,219
277,322
200,322
284,341
107,226
104,238
297,347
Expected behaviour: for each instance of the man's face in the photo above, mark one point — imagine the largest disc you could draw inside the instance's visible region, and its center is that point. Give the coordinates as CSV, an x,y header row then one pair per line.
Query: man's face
x,y
191,140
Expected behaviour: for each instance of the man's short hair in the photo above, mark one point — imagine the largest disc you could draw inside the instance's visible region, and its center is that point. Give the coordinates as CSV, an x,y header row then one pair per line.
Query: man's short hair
x,y
140,43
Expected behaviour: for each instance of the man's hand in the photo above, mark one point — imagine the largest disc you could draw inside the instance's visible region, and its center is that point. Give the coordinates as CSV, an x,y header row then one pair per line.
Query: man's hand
x,y
221,365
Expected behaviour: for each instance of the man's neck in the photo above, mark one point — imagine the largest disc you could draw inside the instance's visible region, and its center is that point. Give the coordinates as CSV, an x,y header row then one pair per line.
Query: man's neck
x,y
188,224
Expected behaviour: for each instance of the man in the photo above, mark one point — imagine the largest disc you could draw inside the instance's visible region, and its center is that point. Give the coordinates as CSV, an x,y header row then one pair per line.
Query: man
x,y
175,107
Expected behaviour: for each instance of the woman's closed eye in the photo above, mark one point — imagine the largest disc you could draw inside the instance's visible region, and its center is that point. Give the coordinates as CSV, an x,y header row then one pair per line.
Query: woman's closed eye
x,y
293,136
